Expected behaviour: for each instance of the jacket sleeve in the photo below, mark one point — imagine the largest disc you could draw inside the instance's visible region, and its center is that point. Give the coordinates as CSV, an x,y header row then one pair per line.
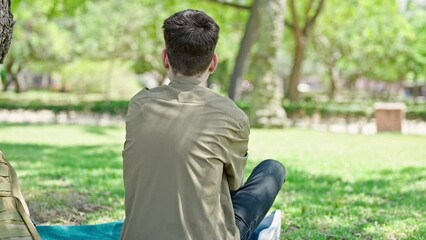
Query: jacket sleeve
x,y
237,158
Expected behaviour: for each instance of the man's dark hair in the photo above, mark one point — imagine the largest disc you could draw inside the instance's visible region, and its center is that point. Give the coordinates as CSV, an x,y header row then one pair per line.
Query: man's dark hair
x,y
191,37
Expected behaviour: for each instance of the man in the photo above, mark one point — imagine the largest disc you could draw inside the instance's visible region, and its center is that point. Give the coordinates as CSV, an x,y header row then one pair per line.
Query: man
x,y
186,149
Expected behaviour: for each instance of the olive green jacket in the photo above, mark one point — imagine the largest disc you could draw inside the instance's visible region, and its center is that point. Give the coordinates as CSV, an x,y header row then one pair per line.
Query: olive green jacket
x,y
185,151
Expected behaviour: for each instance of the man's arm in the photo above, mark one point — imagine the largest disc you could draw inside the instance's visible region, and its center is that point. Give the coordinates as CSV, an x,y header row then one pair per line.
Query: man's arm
x,y
237,158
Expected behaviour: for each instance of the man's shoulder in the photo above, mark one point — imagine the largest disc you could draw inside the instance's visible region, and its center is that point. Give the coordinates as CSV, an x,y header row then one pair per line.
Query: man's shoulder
x,y
226,105
146,93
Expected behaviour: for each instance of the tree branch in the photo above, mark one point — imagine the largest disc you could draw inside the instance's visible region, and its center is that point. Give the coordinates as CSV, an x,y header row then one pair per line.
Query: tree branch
x,y
310,22
289,24
294,14
230,4
308,9
296,26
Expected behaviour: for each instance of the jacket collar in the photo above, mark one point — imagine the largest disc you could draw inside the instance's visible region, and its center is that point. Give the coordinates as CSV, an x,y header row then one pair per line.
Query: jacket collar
x,y
184,81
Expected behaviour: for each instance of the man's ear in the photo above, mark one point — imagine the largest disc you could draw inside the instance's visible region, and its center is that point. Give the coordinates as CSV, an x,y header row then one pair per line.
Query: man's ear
x,y
213,64
165,59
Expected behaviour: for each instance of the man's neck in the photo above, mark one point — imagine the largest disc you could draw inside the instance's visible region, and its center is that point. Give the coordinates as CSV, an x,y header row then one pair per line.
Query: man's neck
x,y
202,78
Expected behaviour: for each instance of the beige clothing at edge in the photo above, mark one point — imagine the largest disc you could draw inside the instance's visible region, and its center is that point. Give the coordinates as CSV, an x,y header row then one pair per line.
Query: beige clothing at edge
x,y
185,150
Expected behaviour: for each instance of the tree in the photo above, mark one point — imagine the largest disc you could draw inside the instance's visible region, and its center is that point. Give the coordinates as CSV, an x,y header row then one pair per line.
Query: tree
x,y
110,37
417,61
367,39
301,23
125,34
242,62
116,32
264,29
6,28
37,40
243,57
266,100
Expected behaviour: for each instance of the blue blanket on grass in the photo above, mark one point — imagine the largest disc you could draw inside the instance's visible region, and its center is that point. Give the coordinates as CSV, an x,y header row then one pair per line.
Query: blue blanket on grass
x,y
106,231
112,231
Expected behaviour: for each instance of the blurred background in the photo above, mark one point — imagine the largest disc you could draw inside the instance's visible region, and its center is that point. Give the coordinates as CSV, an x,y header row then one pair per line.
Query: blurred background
x,y
331,60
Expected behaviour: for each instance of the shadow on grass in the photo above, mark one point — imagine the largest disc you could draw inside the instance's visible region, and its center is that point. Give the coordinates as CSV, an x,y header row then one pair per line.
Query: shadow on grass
x,y
387,205
68,185
96,130
64,184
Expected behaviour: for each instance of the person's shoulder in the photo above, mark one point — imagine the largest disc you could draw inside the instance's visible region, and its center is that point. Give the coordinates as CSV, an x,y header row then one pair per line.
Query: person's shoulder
x,y
147,93
143,97
226,105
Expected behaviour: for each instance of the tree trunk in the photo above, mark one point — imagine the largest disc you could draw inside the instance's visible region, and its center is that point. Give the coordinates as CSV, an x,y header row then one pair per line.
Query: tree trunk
x,y
7,79
242,62
16,82
296,69
266,103
352,86
6,28
6,84
108,80
332,72
13,80
301,34
12,71
3,76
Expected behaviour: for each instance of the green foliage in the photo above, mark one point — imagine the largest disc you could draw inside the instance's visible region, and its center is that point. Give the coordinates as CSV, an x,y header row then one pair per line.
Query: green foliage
x,y
366,39
39,44
112,107
369,39
417,63
59,35
53,8
344,110
98,107
85,77
66,102
326,110
416,112
116,30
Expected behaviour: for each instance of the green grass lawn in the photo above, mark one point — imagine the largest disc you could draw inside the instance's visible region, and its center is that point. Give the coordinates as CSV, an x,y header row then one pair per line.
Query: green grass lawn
x,y
339,186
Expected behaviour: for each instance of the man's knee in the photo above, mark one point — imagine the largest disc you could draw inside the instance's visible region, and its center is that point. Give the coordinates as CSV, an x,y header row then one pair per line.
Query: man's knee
x,y
276,168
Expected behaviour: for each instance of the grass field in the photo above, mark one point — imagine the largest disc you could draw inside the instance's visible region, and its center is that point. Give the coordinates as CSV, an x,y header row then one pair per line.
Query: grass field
x,y
338,187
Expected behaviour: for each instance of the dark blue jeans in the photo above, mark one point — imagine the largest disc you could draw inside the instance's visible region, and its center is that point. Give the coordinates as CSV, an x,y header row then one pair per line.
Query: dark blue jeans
x,y
254,199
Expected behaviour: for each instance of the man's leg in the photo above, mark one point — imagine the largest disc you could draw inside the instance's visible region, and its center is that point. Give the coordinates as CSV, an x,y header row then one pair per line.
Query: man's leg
x,y
254,199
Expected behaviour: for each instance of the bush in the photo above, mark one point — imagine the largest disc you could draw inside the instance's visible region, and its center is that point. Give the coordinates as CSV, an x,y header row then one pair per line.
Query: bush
x,y
97,107
344,110
293,110
416,112
110,107
326,110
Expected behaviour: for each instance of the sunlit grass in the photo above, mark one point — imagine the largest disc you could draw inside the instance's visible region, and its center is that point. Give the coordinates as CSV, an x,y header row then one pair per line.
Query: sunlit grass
x,y
339,186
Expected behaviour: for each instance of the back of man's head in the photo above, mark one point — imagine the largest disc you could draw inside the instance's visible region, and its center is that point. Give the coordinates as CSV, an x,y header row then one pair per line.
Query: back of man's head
x,y
191,37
